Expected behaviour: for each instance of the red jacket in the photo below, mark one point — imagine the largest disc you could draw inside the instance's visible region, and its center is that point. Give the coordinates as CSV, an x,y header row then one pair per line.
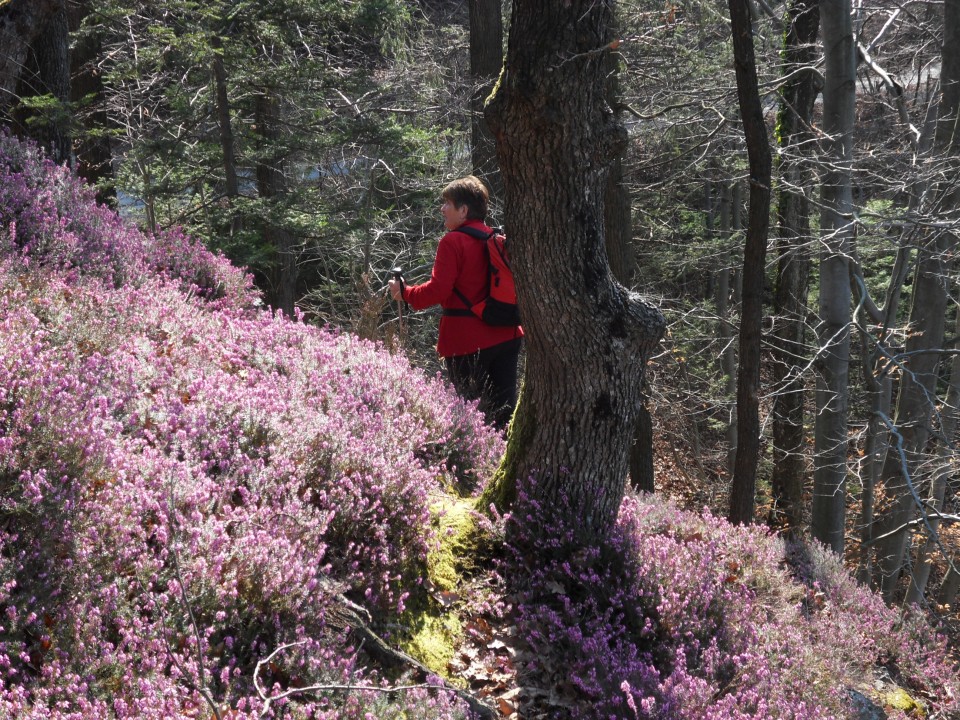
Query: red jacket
x,y
461,262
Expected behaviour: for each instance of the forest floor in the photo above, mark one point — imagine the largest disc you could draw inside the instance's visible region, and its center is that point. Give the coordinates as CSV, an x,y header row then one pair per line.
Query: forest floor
x,y
689,468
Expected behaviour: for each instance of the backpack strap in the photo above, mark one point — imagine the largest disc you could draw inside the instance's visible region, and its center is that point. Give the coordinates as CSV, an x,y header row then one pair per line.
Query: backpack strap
x,y
476,234
464,299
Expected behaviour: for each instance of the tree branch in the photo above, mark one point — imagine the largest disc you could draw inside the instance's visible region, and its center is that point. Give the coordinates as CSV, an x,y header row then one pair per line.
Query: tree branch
x,y
478,708
924,519
916,522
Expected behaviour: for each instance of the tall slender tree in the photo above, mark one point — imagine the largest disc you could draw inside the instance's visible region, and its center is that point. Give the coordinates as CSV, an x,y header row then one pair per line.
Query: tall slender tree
x,y
836,233
920,366
486,59
794,135
743,491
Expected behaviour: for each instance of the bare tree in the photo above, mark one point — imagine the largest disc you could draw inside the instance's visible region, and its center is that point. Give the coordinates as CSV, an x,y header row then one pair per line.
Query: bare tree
x,y
743,491
800,88
919,367
836,231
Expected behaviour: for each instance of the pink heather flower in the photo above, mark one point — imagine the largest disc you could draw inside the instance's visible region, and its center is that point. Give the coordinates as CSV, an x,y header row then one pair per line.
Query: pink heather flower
x,y
173,441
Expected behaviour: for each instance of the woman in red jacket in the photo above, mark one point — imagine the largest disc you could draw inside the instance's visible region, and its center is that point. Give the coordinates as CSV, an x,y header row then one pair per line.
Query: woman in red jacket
x,y
481,359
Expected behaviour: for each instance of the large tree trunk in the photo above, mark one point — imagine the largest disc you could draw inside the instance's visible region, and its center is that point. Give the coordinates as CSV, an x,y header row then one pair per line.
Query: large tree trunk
x,y
793,266
21,22
618,227
836,230
588,338
92,146
486,59
45,71
49,74
743,491
271,183
619,231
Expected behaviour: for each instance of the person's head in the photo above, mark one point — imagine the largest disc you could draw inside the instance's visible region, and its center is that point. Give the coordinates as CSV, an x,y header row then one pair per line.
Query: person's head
x,y
464,199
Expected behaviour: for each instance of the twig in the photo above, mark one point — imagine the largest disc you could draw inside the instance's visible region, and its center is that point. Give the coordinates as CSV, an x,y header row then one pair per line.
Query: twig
x,y
924,518
479,709
202,686
916,522
612,45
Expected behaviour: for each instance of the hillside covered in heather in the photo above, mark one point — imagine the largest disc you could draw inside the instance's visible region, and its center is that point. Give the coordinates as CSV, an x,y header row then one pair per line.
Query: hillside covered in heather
x,y
194,493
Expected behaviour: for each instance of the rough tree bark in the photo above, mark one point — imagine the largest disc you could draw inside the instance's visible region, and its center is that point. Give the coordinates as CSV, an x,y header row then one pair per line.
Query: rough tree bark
x,y
793,264
836,231
47,72
21,22
271,183
619,231
618,227
486,59
35,61
743,490
588,338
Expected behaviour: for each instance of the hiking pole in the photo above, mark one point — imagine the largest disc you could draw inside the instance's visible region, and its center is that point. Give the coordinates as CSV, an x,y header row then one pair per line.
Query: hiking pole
x,y
398,276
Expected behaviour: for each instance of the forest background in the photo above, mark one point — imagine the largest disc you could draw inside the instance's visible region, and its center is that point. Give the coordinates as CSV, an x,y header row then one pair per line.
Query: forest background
x,y
307,141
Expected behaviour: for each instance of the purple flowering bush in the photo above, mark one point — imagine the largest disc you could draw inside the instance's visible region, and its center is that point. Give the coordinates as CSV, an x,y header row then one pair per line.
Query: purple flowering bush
x,y
50,219
189,484
191,489
680,617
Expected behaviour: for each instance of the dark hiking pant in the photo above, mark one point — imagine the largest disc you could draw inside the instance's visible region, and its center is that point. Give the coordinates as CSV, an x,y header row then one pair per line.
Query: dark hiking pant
x,y
489,375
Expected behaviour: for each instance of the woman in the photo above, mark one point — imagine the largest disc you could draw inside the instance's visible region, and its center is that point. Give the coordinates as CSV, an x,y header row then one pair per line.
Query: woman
x,y
481,359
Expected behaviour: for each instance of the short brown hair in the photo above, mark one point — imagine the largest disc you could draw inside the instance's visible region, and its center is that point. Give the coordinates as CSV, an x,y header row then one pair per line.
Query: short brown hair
x,y
469,191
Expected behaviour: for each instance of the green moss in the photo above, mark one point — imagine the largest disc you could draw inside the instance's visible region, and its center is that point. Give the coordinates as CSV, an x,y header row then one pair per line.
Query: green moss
x,y
900,699
502,490
434,641
496,86
456,529
434,629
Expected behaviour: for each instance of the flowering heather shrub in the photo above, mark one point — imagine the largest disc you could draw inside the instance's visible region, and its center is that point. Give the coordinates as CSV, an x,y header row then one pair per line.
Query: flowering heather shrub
x,y
680,617
49,218
187,483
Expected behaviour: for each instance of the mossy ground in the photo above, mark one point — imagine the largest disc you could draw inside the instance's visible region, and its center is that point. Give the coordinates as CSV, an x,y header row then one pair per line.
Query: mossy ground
x,y
435,628
900,699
